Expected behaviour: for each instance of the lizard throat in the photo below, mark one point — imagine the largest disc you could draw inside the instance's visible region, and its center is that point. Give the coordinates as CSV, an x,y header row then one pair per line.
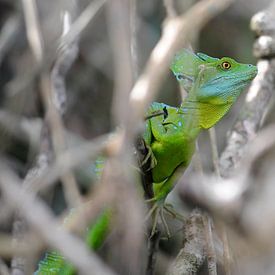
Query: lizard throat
x,y
203,115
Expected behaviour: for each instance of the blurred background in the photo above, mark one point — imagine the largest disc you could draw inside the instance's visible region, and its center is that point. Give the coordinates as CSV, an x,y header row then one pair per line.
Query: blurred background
x,y
90,81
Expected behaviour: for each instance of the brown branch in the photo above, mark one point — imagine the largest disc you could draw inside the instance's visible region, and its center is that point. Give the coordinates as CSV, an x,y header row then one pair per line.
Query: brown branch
x,y
210,248
192,255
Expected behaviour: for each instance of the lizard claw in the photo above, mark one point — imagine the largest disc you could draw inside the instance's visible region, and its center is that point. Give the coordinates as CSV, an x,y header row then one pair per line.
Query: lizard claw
x,y
157,212
150,156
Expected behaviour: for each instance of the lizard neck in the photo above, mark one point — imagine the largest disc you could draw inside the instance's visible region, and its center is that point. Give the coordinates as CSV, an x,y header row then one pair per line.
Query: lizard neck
x,y
202,115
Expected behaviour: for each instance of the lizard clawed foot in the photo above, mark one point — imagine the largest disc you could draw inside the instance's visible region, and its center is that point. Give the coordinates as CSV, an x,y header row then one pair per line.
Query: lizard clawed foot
x,y
170,210
156,212
150,156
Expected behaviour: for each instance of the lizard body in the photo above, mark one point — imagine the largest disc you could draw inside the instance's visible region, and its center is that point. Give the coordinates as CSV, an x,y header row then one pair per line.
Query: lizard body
x,y
213,85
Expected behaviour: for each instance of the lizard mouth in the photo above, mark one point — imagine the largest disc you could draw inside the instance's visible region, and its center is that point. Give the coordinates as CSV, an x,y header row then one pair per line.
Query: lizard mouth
x,y
237,78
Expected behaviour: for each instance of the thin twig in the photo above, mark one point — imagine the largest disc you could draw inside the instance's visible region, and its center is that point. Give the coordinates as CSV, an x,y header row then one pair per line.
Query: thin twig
x,y
134,38
62,65
170,10
152,251
119,31
33,29
210,248
209,243
81,23
214,149
198,162
227,256
215,158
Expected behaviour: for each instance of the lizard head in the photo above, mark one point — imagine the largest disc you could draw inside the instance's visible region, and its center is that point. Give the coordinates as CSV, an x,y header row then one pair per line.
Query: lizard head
x,y
221,81
211,80
213,84
185,67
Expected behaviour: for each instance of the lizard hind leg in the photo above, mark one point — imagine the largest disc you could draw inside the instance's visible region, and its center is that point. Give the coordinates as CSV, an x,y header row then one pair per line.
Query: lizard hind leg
x,y
158,205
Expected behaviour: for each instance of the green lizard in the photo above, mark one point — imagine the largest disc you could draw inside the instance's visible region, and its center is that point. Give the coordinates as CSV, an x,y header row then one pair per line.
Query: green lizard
x,y
213,85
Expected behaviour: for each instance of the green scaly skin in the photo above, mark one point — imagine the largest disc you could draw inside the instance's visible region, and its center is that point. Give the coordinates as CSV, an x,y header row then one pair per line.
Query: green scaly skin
x,y
212,89
213,85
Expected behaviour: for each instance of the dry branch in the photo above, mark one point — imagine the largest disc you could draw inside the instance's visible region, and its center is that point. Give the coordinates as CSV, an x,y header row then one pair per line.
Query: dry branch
x,y
209,243
192,255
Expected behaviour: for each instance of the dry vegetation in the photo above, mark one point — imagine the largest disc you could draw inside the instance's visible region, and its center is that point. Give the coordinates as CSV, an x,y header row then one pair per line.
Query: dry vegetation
x,y
76,79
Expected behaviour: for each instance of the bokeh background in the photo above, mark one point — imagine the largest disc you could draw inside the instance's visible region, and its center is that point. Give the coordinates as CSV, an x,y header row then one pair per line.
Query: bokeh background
x,y
90,81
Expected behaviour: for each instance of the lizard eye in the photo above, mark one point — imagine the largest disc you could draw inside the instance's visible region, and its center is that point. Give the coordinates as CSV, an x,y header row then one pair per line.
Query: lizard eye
x,y
226,65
